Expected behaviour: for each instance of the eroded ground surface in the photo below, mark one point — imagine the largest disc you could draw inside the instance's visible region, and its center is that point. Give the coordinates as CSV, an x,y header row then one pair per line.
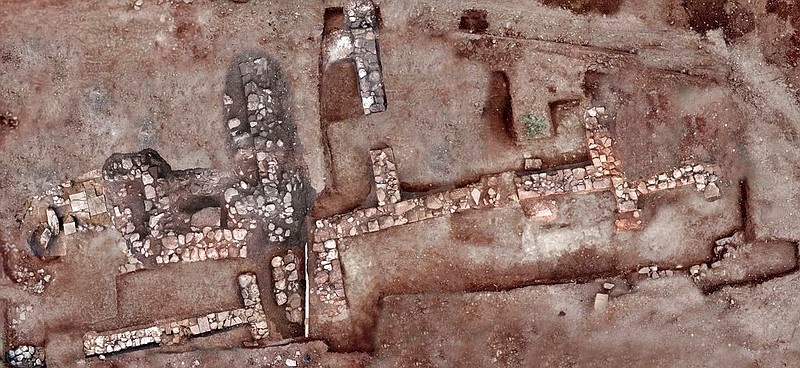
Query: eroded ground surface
x,y
462,259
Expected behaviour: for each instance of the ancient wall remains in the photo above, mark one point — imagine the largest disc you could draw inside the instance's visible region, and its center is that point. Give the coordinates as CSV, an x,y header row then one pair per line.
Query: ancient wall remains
x,y
175,332
362,23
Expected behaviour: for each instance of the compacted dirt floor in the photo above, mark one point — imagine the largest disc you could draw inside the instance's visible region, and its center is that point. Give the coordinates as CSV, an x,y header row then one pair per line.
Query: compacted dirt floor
x,y
708,80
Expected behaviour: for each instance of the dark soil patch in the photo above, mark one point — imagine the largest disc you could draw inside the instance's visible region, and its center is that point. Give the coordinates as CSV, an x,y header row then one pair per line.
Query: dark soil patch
x,y
591,82
8,121
606,7
706,15
474,21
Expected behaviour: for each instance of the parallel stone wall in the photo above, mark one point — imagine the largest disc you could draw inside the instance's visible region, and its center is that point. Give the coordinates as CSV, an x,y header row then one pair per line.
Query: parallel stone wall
x,y
175,332
287,277
361,22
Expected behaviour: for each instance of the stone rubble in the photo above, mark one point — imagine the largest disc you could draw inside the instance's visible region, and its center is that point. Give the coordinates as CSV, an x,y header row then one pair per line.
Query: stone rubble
x,y
26,356
69,208
361,39
8,120
149,237
176,332
723,248
654,272
287,277
384,171
21,313
263,192
328,278
23,270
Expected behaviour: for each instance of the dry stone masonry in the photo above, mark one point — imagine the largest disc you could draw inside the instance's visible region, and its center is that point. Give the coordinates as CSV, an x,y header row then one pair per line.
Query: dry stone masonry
x,y
287,277
175,332
155,227
362,23
26,356
358,42
387,184
260,201
604,172
329,280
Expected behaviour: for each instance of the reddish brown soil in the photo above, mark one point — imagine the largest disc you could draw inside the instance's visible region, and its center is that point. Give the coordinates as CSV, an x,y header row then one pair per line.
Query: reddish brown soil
x,y
338,96
662,119
111,79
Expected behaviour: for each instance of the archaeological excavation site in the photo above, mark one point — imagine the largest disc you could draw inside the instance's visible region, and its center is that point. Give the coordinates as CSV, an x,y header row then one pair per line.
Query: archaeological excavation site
x,y
399,183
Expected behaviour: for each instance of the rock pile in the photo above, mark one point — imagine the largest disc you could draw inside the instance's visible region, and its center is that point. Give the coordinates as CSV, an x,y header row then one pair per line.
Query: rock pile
x,y
26,356
361,22
177,331
723,248
287,277
132,264
384,171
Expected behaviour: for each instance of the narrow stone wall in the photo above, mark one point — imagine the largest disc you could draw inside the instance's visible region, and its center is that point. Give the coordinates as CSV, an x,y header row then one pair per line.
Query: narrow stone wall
x,y
384,172
175,332
361,21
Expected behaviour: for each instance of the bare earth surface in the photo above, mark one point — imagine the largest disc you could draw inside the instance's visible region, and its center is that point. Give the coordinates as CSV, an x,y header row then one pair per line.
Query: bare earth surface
x,y
712,81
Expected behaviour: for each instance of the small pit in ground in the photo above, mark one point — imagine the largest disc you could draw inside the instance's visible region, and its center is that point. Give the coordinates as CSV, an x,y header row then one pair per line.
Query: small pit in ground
x,y
333,21
474,21
558,110
497,109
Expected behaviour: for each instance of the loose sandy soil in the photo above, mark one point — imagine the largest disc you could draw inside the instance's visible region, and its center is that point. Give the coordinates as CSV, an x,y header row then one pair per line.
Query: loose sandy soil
x,y
710,80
